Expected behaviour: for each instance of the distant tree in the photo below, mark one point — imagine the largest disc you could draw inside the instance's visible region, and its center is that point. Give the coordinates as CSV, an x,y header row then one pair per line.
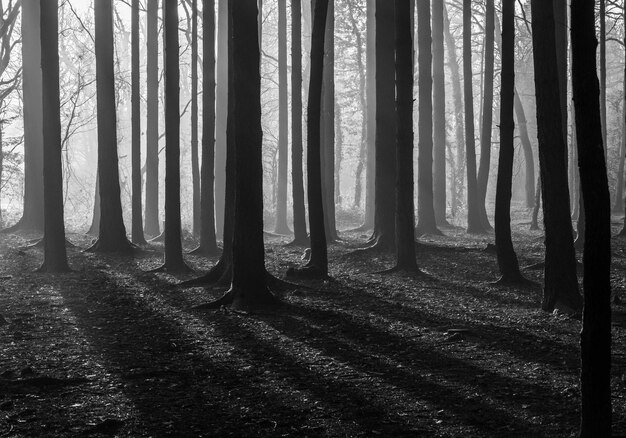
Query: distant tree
x,y
529,160
195,167
137,219
55,256
281,226
507,259
370,174
595,377
560,283
297,176
112,232
152,225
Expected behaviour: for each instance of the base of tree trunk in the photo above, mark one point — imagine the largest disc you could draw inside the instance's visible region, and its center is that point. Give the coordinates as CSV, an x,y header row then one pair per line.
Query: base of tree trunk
x,y
365,227
22,225
178,268
233,298
534,226
204,251
283,231
411,271
514,280
38,243
477,230
422,231
219,275
140,241
307,272
58,267
490,248
622,233
443,223
124,247
302,242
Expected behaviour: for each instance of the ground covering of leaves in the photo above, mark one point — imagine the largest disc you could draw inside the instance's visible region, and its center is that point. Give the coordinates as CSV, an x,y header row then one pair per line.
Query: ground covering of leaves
x,y
112,350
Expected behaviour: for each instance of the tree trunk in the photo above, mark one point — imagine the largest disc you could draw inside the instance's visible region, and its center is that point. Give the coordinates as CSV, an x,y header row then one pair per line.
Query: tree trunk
x,y
338,151
195,171
55,256
534,223
297,177
561,284
507,259
529,160
474,223
439,116
173,246
426,223
281,226
405,208
618,207
221,116
370,93
112,234
137,219
602,18
560,35
152,226
487,114
94,229
595,345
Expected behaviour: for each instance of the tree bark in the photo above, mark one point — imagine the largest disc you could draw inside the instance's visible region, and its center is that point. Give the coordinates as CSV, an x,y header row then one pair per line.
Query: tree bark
x,y
439,115
55,256
595,345
221,116
370,93
560,284
195,168
602,18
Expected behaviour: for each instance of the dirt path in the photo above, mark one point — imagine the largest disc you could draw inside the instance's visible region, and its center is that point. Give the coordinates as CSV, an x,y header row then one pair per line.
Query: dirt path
x,y
111,350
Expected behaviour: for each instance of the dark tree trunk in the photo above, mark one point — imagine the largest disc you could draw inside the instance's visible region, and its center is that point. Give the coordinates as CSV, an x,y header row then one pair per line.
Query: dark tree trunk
x,y
618,207
195,167
602,18
384,220
338,151
405,208
595,345
426,223
370,168
281,226
152,226
33,214
474,223
208,243
534,222
507,259
112,233
173,246
221,116
561,284
55,256
487,115
94,229
560,35
297,177
439,116
529,159
137,220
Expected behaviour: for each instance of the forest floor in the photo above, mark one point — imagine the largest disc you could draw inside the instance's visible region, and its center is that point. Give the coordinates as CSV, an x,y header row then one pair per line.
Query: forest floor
x,y
112,350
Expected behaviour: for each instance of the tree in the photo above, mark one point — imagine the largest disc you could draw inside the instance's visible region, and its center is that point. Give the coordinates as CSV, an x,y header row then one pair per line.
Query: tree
x,y
529,161
221,116
487,119
152,226
297,177
507,259
317,265
281,226
595,377
208,243
439,115
55,256
174,261
137,219
560,283
195,172
602,19
405,216
370,94
474,224
426,223
112,232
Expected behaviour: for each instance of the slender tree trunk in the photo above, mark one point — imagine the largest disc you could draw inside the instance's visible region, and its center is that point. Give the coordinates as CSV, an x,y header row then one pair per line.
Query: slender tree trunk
x,y
474,223
560,284
405,216
487,114
137,219
595,345
370,94
221,116
195,168
338,151
112,234
507,259
281,226
152,226
560,34
55,256
297,177
173,246
534,223
439,115
426,223
94,229
529,160
618,207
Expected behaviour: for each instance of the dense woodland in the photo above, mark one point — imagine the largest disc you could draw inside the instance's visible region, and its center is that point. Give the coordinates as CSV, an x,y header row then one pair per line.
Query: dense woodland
x,y
312,218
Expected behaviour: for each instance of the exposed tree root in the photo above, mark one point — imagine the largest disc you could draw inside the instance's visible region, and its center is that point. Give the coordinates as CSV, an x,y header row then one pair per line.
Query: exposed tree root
x,y
39,243
158,239
125,247
490,248
226,300
362,228
219,274
21,225
307,272
241,301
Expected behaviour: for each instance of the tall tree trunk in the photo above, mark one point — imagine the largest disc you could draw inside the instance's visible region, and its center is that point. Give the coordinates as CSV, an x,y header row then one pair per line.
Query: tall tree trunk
x,y
195,170
595,345
426,223
94,229
221,116
439,116
602,18
618,207
208,243
405,208
173,246
112,234
338,151
560,34
474,223
487,114
560,284
152,226
370,93
297,177
137,219
281,226
529,160
55,256
507,259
